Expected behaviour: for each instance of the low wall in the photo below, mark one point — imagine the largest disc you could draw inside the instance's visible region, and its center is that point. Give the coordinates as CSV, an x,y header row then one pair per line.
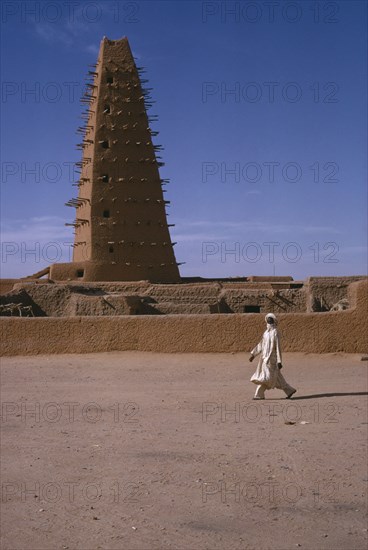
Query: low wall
x,y
343,331
6,285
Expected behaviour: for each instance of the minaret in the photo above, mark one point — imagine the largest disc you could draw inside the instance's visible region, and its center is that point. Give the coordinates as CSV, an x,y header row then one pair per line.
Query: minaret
x,y
121,230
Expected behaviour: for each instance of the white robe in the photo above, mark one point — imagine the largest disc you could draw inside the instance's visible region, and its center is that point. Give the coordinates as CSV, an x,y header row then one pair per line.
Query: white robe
x,y
267,372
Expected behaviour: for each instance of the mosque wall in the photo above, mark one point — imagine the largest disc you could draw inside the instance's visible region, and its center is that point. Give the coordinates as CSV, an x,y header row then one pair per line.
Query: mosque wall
x,y
324,332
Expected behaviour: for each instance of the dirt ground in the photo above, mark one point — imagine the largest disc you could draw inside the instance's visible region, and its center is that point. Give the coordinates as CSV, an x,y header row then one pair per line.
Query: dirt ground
x,y
143,451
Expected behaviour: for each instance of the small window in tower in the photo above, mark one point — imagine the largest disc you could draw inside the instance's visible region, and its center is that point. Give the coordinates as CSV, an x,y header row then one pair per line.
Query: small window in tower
x,y
252,309
107,109
109,79
111,249
106,213
104,144
80,273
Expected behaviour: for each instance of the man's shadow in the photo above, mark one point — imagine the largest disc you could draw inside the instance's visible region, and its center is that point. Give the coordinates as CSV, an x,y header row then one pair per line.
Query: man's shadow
x,y
318,395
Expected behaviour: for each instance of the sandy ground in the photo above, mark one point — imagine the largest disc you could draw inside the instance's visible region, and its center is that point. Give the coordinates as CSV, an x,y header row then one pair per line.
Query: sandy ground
x,y
131,450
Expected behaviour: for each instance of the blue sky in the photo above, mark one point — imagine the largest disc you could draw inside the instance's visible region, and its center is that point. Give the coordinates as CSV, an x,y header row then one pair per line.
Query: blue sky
x,y
261,112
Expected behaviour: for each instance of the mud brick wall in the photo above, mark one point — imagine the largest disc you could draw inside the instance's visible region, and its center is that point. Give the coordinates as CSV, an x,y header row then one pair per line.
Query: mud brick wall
x,y
324,292
277,301
343,331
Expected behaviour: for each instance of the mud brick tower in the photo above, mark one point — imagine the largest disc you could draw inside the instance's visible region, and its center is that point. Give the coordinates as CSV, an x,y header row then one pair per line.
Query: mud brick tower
x,y
121,230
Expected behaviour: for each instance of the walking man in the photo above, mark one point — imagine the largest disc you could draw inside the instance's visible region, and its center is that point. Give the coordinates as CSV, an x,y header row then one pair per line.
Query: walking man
x,y
268,375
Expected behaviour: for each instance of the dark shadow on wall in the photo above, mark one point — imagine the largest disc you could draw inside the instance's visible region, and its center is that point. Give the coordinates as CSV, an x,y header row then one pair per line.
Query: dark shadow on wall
x,y
21,298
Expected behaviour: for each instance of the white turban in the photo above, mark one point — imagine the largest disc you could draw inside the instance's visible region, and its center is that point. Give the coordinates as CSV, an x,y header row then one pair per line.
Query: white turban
x,y
273,317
